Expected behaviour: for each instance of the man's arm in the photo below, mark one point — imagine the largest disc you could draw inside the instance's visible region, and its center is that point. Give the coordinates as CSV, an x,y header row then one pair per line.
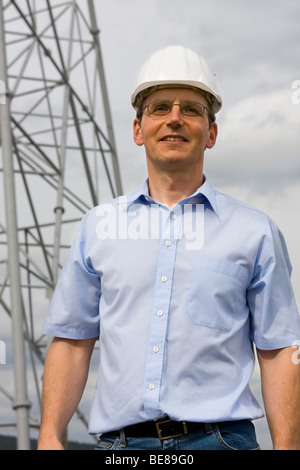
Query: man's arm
x,y
65,376
280,375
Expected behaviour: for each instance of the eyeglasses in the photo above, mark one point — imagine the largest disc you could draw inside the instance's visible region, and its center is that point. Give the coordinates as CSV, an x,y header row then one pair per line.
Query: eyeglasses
x,y
163,108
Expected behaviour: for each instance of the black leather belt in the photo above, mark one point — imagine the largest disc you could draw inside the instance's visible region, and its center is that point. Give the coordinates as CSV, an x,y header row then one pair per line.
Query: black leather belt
x,y
163,429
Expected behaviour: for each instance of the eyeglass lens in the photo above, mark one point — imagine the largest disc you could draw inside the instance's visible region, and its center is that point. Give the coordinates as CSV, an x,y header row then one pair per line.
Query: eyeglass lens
x,y
163,108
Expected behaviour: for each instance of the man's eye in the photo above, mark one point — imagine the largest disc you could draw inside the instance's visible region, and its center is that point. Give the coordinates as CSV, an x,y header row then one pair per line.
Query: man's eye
x,y
161,107
189,109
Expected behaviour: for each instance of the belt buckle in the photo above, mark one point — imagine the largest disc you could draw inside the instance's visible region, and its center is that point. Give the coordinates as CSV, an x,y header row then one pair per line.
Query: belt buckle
x,y
167,431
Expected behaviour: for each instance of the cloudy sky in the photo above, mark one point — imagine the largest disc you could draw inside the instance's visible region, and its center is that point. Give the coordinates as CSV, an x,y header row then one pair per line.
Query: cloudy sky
x,y
254,48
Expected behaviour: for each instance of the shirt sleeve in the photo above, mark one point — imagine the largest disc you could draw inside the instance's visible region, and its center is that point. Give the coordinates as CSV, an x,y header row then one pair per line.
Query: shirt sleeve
x,y
74,309
275,321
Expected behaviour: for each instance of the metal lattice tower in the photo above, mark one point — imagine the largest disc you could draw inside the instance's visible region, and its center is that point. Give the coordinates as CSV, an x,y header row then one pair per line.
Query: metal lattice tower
x,y
57,160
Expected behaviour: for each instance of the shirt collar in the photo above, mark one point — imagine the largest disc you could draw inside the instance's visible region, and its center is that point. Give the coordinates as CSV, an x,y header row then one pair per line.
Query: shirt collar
x,y
142,194
208,192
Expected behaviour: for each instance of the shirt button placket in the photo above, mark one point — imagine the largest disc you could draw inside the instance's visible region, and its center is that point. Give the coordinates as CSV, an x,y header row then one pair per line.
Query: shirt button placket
x,y
161,305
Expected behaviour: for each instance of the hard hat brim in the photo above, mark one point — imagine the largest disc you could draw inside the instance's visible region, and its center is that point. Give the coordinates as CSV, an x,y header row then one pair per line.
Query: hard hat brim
x,y
216,100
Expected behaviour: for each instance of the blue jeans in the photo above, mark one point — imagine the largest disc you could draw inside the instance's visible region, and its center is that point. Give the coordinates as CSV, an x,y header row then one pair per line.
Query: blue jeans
x,y
232,435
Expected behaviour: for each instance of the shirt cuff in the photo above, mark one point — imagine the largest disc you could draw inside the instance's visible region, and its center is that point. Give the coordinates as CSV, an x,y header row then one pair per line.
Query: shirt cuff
x,y
70,333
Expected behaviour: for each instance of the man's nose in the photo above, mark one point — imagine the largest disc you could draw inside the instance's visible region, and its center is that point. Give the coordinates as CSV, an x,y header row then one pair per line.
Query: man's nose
x,y
175,116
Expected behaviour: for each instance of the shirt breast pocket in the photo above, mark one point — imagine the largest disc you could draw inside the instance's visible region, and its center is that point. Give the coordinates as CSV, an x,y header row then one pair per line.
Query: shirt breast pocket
x,y
217,292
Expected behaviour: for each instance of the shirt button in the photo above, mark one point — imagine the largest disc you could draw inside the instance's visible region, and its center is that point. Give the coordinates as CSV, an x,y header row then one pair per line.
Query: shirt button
x,y
168,243
160,313
164,278
151,386
174,216
155,349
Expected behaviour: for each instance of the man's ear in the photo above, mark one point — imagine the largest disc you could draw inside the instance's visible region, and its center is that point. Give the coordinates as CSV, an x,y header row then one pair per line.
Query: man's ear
x,y
213,133
137,134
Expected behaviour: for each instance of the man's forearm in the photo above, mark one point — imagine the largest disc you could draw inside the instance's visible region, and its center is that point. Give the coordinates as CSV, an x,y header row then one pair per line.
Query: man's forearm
x,y
65,375
281,393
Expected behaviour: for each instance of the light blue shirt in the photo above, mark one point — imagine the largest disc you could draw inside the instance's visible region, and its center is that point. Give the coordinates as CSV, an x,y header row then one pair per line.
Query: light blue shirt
x,y
178,298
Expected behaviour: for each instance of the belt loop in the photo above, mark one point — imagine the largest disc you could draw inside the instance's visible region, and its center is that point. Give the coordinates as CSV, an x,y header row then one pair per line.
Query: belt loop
x,y
122,438
208,428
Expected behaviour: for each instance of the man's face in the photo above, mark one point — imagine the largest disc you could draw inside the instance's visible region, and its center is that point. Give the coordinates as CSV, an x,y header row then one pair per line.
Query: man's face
x,y
175,141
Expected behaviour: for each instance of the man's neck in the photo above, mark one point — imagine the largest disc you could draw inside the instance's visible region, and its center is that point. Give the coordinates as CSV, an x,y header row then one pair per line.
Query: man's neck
x,y
170,189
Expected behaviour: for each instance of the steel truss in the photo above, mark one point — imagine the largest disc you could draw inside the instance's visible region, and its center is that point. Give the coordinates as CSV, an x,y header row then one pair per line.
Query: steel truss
x,y
58,159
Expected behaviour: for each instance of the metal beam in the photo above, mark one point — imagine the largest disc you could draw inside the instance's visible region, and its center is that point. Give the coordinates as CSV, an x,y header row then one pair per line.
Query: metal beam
x,y
100,69
21,403
52,137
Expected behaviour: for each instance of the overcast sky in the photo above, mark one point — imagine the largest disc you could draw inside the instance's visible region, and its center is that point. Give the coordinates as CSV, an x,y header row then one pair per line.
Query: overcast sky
x,y
254,48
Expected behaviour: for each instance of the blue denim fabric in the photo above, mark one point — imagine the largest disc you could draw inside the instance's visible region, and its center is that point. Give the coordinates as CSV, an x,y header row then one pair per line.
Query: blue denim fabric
x,y
235,435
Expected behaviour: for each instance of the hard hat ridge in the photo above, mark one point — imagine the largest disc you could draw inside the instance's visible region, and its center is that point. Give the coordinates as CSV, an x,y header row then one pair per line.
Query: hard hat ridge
x,y
177,65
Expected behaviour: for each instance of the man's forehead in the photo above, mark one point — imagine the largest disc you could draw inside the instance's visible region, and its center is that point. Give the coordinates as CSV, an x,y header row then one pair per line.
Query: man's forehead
x,y
172,93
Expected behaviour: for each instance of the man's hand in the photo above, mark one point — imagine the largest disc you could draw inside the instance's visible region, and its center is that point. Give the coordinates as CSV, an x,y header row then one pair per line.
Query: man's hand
x,y
47,444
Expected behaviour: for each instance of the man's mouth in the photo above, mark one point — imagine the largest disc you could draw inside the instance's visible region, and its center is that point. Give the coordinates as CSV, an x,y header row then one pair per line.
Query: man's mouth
x,y
173,138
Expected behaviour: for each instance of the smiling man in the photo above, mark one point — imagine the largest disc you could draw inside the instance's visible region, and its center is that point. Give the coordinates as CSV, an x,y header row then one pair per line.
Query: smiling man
x,y
175,130
179,283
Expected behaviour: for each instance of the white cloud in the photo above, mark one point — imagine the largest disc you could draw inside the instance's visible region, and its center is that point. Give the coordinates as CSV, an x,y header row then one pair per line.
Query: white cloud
x,y
258,143
254,48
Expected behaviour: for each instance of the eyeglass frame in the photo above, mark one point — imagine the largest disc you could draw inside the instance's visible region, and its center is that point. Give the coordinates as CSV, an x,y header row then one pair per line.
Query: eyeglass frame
x,y
175,104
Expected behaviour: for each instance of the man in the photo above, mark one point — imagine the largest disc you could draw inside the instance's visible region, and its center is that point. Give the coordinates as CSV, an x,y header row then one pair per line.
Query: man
x,y
180,282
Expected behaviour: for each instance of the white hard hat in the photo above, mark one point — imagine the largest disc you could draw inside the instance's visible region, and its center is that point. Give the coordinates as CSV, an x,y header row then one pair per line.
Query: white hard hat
x,y
176,65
